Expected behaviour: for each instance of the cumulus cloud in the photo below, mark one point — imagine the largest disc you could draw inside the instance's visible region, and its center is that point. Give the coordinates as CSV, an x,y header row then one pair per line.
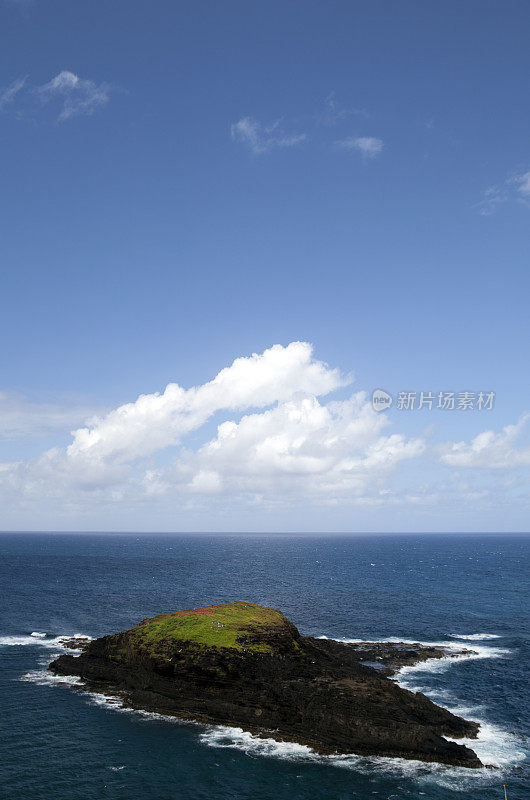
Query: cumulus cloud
x,y
490,450
368,146
155,421
300,447
262,138
280,442
289,444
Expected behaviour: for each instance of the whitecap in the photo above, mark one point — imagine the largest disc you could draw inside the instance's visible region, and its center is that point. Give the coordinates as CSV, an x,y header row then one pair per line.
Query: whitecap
x,y
36,639
43,677
475,637
454,651
493,745
226,736
14,641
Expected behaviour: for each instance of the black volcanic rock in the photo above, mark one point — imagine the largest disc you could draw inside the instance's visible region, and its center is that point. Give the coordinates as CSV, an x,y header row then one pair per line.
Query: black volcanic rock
x,y
246,665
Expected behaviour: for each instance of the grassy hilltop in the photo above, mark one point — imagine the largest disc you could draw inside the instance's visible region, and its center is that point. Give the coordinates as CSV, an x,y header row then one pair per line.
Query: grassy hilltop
x,y
239,626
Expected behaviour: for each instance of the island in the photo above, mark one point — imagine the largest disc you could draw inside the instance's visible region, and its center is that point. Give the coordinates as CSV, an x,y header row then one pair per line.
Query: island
x,y
246,665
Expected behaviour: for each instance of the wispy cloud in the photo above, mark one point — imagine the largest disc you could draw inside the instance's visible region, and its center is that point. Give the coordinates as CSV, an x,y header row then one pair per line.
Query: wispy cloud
x,y
368,146
76,96
8,94
429,124
262,138
335,112
21,418
522,183
516,188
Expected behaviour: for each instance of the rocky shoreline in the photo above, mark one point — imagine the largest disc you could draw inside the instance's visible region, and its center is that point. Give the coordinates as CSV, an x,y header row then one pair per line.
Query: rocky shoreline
x,y
248,666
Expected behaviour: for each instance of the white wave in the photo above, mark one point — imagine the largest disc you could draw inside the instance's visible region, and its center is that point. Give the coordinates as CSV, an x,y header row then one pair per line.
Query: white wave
x,y
43,677
493,745
14,641
36,639
106,700
454,655
475,637
455,652
117,703
238,739
455,778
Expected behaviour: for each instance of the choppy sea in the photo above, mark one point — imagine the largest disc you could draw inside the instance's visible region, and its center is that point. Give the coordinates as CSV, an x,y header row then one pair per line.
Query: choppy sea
x,y
60,743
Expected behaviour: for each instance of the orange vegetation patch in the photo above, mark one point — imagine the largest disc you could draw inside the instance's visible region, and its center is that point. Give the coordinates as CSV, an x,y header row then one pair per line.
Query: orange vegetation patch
x,y
207,611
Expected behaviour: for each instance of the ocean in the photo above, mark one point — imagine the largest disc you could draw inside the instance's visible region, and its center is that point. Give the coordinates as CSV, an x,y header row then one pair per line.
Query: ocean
x,y
60,743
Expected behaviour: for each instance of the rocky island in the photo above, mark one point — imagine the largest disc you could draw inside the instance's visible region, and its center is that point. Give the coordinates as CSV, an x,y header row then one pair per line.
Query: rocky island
x,y
247,665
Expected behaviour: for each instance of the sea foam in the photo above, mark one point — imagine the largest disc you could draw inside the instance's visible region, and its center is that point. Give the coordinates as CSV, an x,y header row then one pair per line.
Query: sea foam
x,y
36,639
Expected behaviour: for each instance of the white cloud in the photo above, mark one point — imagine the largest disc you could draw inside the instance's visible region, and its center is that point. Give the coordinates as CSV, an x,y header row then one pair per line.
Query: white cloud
x,y
79,96
260,139
65,81
280,445
368,146
490,450
516,188
76,96
8,94
155,421
289,445
301,448
335,112
523,183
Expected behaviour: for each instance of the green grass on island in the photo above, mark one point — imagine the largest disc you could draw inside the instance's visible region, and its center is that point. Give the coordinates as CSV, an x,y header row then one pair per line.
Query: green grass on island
x,y
225,625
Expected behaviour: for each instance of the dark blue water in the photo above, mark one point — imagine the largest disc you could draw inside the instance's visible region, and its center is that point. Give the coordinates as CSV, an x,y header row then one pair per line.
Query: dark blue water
x,y
62,744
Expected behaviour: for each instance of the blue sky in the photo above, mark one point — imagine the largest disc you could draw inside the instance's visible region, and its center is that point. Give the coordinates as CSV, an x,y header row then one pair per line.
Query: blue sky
x,y
185,184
